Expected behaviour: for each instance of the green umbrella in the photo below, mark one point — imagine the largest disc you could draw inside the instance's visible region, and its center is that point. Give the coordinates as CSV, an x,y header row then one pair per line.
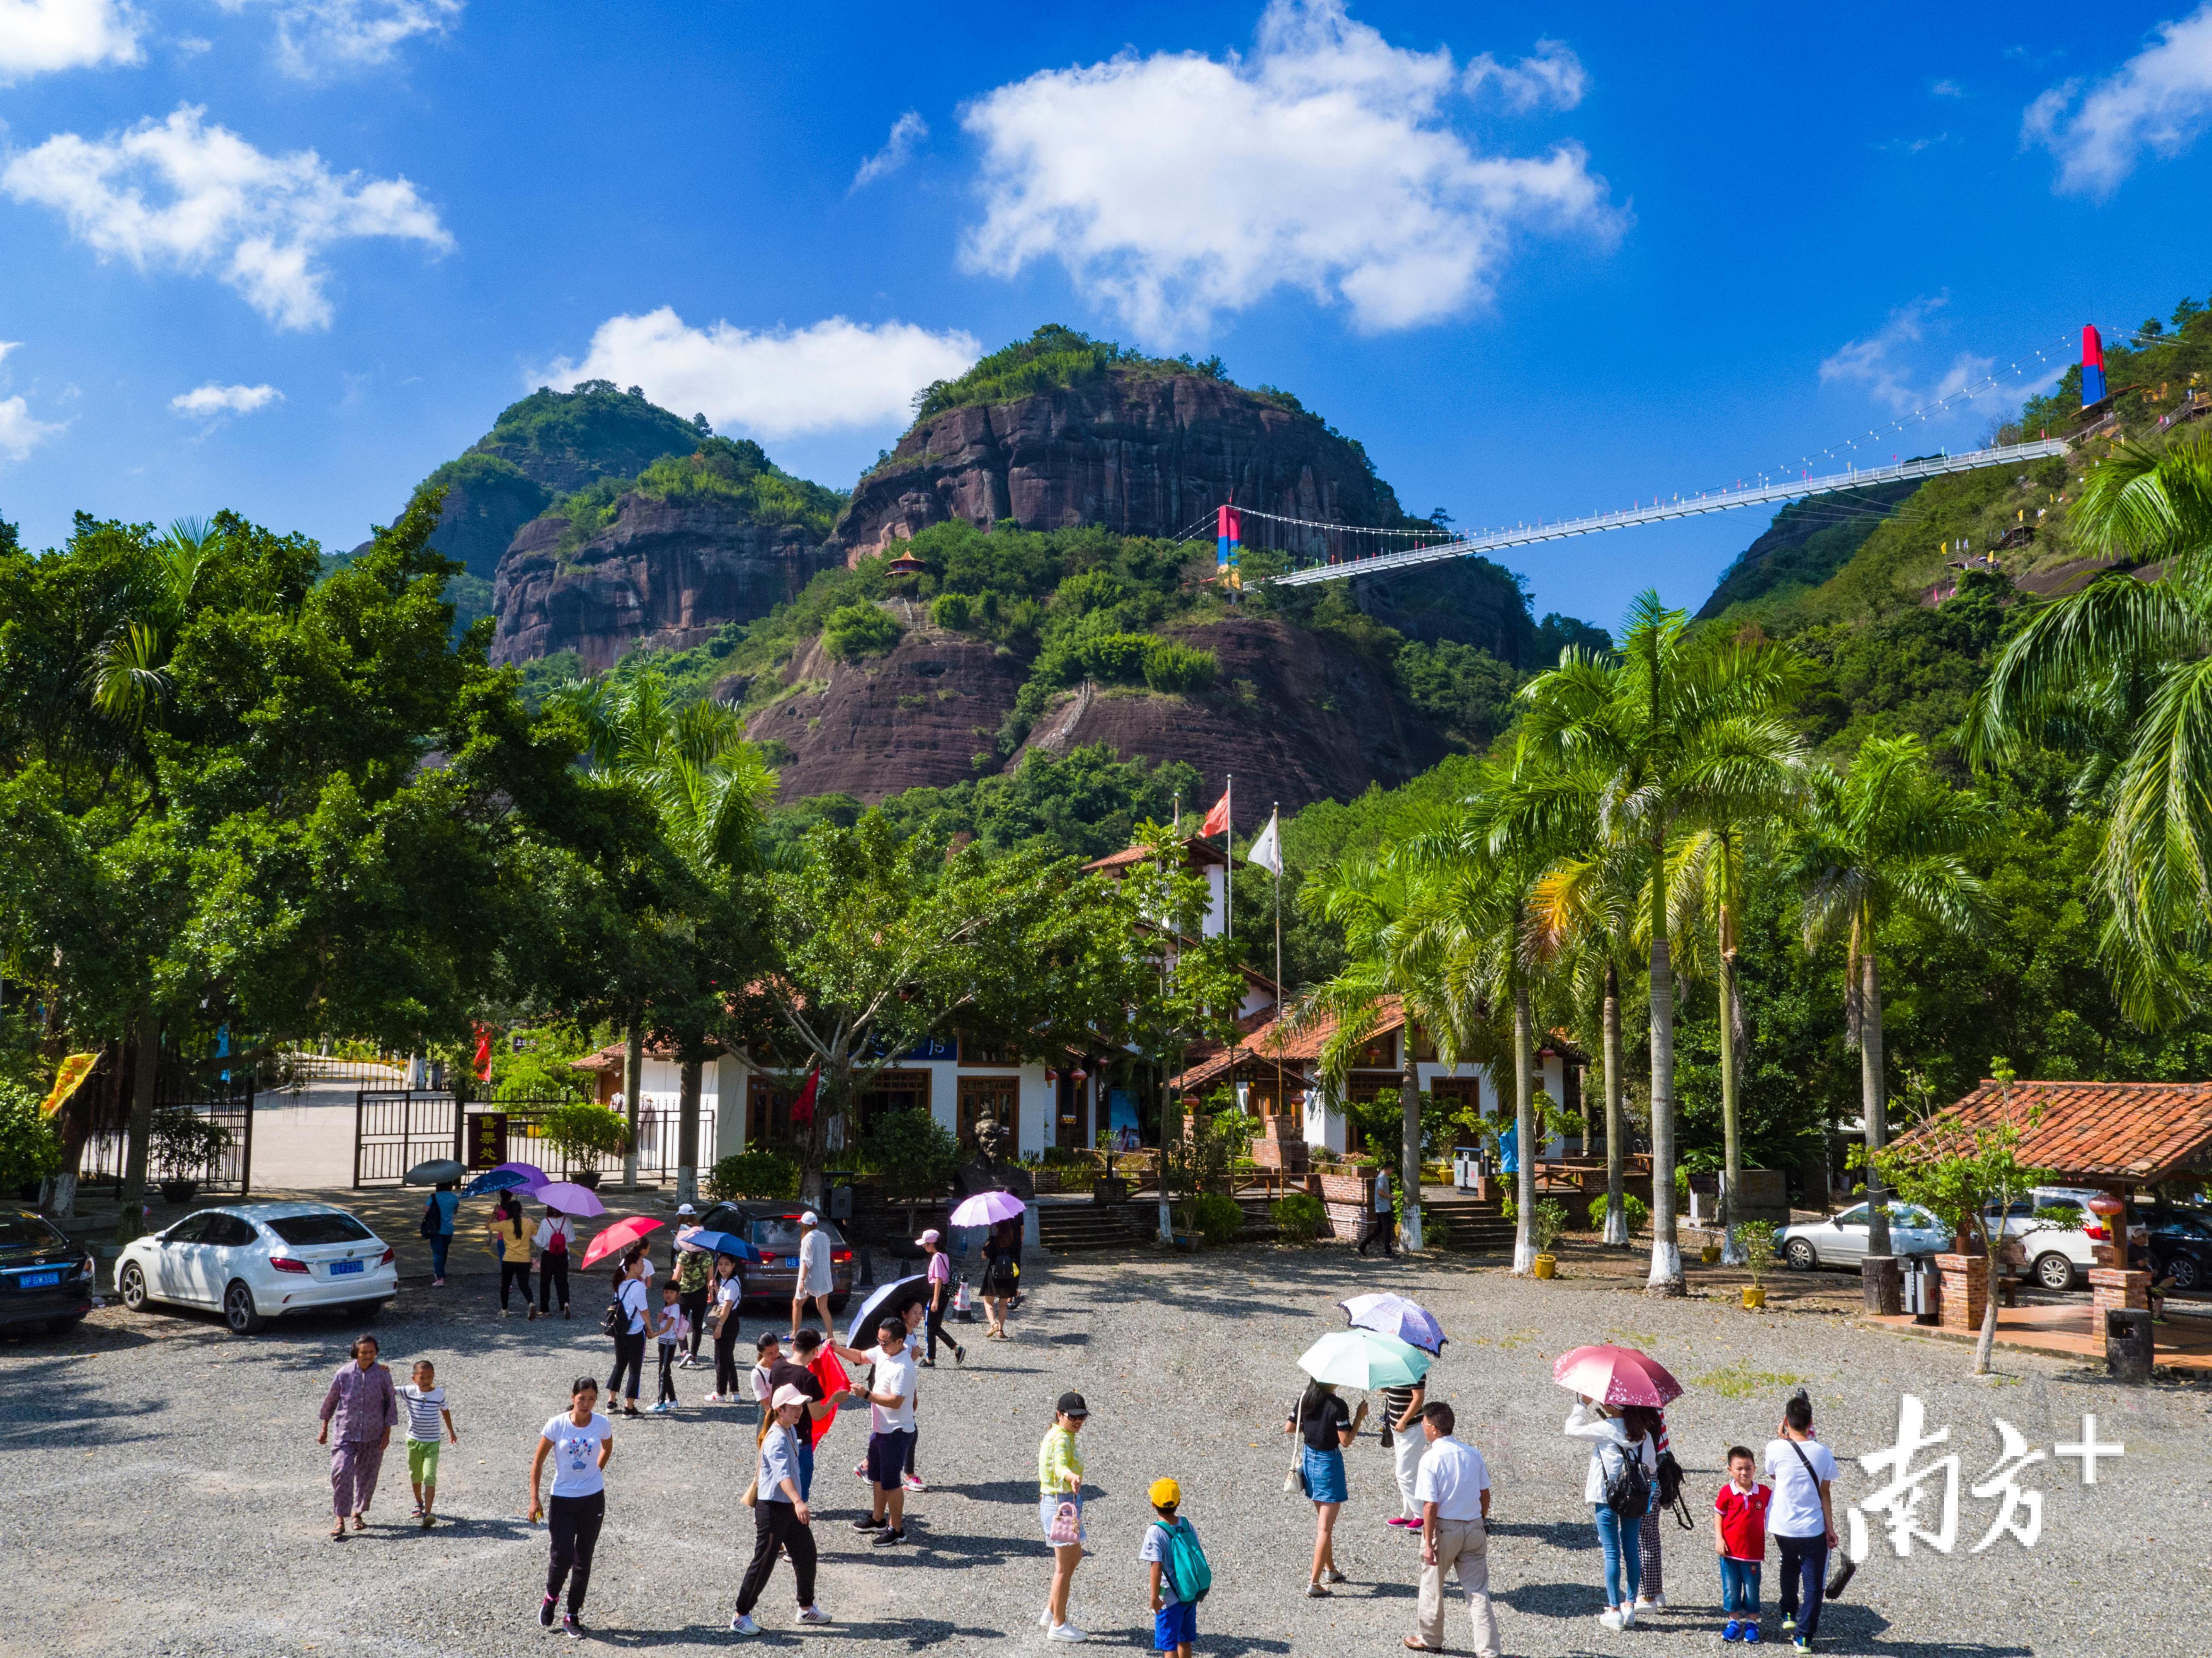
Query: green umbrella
x,y
1365,1358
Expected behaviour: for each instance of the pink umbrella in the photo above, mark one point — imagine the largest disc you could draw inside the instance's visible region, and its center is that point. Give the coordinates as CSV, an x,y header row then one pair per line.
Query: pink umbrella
x,y
570,1198
986,1209
620,1236
1616,1376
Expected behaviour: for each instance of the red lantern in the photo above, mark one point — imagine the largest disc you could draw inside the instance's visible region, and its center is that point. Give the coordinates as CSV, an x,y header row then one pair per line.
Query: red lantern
x,y
1052,1076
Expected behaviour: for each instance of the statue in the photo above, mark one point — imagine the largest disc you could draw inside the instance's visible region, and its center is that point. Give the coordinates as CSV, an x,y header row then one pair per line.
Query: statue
x,y
993,1169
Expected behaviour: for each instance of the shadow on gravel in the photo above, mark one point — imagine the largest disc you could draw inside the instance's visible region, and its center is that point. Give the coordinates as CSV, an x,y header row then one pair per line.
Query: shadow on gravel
x,y
1228,1646
1022,1492
1568,1599
48,1408
1560,1533
1846,1626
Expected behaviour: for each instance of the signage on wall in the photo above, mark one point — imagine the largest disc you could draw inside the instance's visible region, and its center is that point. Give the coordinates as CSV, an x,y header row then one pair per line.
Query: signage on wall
x,y
933,1047
488,1139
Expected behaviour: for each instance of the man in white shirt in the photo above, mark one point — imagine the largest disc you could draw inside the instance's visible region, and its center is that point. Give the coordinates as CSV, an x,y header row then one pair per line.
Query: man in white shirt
x,y
1802,1517
889,1396
1453,1489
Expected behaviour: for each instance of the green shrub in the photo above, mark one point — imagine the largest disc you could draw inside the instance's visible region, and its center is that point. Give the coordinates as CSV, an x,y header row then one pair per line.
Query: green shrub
x,y
1216,1218
1299,1216
30,1149
753,1174
854,631
1435,1230
584,1129
1756,1237
1509,1206
1546,1222
185,1144
1171,667
952,611
1637,1212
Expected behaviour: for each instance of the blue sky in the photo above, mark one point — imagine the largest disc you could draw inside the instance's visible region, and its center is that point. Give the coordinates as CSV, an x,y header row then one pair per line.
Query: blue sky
x,y
288,255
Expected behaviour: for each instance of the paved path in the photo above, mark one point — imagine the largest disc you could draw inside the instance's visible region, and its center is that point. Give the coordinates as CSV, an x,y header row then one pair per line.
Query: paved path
x,y
160,1492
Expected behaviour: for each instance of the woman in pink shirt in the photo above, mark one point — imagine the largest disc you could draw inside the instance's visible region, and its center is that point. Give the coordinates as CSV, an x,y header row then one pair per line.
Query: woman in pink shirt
x,y
940,1296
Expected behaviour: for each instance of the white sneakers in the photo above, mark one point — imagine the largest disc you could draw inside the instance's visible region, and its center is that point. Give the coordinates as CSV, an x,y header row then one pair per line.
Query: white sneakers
x,y
742,1624
1611,1619
1065,1632
812,1615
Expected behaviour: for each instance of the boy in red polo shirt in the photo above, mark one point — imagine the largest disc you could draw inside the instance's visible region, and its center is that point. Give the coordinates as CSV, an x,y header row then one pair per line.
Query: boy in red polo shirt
x,y
1740,1539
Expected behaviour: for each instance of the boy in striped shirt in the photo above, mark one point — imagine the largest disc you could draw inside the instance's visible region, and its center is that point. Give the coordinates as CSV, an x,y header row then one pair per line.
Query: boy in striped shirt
x,y
426,1407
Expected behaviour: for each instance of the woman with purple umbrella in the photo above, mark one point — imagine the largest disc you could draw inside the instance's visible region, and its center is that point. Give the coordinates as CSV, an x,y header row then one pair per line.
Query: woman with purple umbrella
x,y
1415,1325
1002,1251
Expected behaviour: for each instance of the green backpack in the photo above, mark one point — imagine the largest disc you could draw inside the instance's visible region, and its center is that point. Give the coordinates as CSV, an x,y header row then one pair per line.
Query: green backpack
x,y
1185,1565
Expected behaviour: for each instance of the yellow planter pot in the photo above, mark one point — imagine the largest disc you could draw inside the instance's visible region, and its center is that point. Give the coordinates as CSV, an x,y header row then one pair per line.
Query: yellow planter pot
x,y
1711,1254
1547,1267
1754,1298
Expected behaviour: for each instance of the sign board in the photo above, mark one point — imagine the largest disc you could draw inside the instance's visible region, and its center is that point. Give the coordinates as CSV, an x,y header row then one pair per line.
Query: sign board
x,y
933,1048
488,1139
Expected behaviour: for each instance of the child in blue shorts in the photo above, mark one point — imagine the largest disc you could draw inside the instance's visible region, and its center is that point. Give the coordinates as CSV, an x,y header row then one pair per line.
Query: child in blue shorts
x,y
1174,1617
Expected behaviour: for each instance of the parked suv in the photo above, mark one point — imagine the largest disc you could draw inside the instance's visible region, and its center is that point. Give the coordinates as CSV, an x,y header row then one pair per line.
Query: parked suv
x,y
773,1228
2058,1257
2180,1245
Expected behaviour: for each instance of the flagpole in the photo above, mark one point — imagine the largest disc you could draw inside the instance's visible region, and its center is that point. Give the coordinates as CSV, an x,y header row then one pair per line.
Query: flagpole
x,y
1228,860
1274,822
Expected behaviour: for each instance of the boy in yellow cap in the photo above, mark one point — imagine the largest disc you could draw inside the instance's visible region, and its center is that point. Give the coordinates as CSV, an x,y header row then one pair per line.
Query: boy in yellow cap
x,y
1180,1575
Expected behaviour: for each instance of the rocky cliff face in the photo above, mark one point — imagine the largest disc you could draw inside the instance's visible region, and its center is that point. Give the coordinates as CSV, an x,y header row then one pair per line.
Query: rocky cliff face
x,y
667,573
1141,453
869,729
1297,717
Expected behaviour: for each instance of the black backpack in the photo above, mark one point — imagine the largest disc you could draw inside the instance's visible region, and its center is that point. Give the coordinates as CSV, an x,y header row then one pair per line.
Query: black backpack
x,y
1628,1493
1670,1480
430,1228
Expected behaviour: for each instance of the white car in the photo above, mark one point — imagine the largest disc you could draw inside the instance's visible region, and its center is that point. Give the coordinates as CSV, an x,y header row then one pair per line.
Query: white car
x,y
255,1261
1842,1240
2057,1256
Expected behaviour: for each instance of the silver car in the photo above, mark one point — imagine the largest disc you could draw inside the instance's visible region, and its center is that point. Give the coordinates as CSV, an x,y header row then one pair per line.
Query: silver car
x,y
1842,1240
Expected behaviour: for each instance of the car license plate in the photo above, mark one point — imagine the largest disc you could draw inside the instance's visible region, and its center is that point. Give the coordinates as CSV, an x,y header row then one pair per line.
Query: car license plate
x,y
40,1280
340,1268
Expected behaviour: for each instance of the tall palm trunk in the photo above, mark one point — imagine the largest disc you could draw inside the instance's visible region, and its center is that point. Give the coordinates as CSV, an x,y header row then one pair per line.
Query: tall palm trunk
x,y
1524,1128
1409,1106
1666,1277
1732,1155
633,1085
146,1040
687,1128
1873,1099
1616,1125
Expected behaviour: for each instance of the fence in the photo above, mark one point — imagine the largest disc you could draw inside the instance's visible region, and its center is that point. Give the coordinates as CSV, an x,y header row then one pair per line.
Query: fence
x,y
226,1102
395,1129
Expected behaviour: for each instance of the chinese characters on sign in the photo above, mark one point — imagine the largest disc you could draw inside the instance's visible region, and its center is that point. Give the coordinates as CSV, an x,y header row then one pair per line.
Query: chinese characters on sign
x,y
1921,1501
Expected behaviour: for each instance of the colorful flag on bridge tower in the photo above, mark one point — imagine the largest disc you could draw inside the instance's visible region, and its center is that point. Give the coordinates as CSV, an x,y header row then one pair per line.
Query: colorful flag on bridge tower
x,y
1228,531
2093,365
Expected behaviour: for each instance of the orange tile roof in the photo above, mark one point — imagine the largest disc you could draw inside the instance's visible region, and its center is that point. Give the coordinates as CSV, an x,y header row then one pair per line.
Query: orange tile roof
x,y
2094,1131
1300,1046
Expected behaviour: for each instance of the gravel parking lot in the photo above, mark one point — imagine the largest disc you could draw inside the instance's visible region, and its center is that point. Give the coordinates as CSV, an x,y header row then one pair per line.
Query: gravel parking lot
x,y
163,1494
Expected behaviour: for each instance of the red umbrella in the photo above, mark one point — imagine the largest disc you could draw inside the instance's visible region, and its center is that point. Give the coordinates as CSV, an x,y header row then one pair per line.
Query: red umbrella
x,y
1616,1376
623,1233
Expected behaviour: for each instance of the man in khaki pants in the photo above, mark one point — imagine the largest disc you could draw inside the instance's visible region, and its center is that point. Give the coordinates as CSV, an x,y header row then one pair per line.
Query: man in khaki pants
x,y
1453,1489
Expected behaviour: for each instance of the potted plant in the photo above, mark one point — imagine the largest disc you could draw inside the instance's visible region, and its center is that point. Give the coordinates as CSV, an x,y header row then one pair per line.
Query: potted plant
x,y
1546,1221
1756,1237
584,1129
184,1144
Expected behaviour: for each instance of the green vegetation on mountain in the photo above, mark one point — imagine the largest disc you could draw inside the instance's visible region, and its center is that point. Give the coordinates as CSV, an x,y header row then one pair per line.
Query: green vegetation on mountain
x,y
734,470
1052,357
1809,542
563,439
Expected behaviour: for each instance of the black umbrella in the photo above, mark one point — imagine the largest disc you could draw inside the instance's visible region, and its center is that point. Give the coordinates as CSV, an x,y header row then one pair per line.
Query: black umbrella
x,y
889,1301
434,1172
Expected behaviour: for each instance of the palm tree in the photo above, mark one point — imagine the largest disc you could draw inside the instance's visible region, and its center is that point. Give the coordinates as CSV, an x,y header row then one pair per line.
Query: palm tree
x,y
1659,729
709,788
2122,673
129,679
1886,839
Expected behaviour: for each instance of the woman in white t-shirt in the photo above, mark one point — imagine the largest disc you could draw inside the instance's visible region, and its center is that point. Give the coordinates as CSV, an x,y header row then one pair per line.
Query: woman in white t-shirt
x,y
728,1295
631,1291
1617,1438
578,1442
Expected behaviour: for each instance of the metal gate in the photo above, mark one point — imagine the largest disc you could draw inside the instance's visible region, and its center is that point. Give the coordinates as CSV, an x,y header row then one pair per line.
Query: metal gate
x,y
225,1102
396,1128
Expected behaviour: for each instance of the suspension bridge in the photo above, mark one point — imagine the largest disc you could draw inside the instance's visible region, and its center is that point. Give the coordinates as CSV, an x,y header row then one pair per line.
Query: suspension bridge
x,y
1692,506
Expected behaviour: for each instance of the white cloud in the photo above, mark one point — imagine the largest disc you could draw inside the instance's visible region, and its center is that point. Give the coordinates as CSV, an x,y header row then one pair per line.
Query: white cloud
x,y
39,36
1554,75
2159,100
1175,187
773,384
212,399
1946,89
906,131
260,221
316,37
1881,362
19,433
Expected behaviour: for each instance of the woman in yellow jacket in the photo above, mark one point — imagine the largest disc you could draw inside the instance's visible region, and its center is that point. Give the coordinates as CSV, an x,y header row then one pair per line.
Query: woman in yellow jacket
x,y
510,1231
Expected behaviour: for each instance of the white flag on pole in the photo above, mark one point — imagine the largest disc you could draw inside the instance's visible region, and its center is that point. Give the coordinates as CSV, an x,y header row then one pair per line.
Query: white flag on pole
x,y
1267,851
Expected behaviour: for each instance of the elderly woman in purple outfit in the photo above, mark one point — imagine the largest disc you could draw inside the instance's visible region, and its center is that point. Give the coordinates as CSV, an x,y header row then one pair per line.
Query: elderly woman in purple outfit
x,y
364,1410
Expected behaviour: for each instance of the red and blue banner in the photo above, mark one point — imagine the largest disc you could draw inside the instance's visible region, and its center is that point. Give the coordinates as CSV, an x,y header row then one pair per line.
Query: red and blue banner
x,y
1228,532
2092,366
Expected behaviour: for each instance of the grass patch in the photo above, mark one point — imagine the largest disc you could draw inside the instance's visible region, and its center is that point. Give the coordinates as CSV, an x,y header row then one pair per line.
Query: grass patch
x,y
1740,1380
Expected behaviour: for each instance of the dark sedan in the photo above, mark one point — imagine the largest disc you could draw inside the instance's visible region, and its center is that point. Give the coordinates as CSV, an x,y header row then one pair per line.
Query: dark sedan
x,y
44,1278
2180,1245
773,1228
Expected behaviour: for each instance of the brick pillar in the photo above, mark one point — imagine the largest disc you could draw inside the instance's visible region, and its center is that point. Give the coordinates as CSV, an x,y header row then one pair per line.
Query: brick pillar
x,y
1965,1290
2111,1289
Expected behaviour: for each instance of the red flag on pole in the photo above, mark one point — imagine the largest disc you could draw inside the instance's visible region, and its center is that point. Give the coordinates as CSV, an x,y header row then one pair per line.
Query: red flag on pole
x,y
1217,821
484,1052
802,1108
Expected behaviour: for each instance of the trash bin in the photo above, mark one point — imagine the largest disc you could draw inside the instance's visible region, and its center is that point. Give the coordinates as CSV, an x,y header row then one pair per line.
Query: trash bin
x,y
1924,1290
2128,1344
841,1195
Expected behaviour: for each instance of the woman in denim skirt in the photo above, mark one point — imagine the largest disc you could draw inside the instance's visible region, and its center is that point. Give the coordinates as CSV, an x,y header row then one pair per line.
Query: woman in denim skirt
x,y
1327,1425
